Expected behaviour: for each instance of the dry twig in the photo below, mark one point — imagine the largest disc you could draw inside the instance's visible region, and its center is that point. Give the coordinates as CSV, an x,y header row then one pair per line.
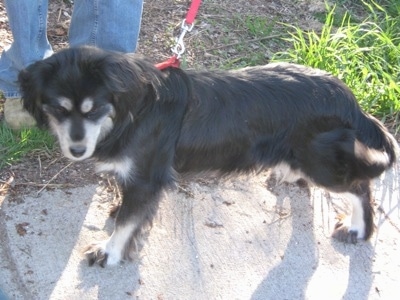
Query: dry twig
x,y
54,177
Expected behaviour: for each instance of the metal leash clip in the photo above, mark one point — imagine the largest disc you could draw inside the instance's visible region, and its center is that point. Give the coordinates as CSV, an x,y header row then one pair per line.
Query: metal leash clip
x,y
179,48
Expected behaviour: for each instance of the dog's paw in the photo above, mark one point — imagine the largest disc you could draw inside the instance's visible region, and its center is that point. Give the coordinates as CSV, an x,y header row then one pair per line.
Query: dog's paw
x,y
347,233
97,254
344,234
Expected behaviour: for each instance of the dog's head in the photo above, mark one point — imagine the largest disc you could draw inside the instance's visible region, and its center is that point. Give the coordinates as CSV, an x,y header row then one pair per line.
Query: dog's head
x,y
78,92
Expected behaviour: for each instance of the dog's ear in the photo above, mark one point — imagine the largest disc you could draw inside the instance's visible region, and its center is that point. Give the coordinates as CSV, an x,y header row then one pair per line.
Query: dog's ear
x,y
32,82
134,76
129,73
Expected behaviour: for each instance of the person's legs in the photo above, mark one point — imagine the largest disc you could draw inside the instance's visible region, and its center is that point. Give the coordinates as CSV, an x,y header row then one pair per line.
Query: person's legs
x,y
28,22
111,25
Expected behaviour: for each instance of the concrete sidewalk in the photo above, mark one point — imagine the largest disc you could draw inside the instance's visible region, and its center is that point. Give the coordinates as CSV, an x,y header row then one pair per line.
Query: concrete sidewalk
x,y
236,239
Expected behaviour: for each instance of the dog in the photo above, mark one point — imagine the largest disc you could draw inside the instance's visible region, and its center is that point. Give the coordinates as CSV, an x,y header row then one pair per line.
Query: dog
x,y
148,127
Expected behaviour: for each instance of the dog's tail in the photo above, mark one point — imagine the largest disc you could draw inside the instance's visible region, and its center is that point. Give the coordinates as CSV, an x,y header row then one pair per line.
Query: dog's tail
x,y
375,146
361,153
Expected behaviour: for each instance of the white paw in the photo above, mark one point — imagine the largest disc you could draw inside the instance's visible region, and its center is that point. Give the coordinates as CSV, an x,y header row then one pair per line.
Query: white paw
x,y
112,251
347,232
103,254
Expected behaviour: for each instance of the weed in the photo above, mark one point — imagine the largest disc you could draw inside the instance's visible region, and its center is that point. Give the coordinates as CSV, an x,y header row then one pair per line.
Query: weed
x,y
15,145
365,55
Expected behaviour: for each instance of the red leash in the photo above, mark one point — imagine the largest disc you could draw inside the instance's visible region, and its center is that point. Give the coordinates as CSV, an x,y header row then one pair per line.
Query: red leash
x,y
179,49
192,12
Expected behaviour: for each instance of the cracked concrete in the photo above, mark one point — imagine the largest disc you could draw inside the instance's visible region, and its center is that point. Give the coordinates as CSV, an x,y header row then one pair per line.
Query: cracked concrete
x,y
234,239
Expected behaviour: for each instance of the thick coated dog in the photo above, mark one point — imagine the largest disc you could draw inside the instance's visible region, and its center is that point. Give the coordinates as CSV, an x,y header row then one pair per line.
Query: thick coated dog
x,y
147,126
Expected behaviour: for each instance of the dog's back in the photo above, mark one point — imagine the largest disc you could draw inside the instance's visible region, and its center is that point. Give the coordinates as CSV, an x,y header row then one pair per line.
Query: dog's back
x,y
238,120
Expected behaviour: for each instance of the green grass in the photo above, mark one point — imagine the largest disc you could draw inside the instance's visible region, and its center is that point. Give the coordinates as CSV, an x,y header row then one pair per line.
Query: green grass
x,y
16,144
365,55
257,26
339,16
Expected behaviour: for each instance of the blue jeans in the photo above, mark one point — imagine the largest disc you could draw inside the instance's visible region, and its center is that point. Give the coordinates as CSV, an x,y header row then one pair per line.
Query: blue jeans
x,y
108,24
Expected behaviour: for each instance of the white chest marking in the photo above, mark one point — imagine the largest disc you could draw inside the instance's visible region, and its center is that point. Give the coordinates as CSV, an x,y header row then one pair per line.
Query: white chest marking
x,y
123,168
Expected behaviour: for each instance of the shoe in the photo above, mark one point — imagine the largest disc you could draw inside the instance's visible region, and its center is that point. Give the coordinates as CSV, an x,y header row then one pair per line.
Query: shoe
x,y
16,116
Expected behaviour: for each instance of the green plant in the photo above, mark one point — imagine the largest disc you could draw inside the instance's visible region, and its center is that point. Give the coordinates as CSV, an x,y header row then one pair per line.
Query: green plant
x,y
339,16
258,26
365,55
15,145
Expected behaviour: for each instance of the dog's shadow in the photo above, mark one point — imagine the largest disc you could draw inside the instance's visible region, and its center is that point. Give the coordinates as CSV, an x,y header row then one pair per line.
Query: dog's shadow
x,y
290,277
363,255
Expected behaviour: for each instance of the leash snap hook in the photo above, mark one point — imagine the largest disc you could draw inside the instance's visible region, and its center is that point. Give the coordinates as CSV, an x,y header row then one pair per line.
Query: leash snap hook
x,y
179,48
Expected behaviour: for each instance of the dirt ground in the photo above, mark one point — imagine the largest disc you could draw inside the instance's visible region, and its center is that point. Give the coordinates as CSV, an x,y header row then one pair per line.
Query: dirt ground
x,y
224,35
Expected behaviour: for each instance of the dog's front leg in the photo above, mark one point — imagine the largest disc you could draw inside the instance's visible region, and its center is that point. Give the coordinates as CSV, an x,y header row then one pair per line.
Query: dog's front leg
x,y
138,208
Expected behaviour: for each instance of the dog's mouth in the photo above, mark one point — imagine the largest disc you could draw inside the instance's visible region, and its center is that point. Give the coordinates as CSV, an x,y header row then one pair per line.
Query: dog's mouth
x,y
77,152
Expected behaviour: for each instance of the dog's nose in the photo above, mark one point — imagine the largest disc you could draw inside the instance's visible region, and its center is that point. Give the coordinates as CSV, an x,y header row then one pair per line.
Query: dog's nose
x,y
77,151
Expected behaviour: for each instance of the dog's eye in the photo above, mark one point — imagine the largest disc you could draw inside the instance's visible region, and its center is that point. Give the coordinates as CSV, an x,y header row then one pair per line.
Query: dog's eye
x,y
92,114
60,110
98,112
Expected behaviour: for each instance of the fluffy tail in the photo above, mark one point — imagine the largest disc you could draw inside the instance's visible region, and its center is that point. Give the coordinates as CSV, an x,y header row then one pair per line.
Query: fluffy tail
x,y
339,157
375,144
374,149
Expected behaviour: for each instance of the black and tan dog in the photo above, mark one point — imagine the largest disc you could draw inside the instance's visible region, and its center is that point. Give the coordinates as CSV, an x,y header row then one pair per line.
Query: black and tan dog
x,y
147,126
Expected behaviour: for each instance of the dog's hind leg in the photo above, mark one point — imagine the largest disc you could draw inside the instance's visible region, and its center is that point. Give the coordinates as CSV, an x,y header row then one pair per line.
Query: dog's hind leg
x,y
339,162
360,224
